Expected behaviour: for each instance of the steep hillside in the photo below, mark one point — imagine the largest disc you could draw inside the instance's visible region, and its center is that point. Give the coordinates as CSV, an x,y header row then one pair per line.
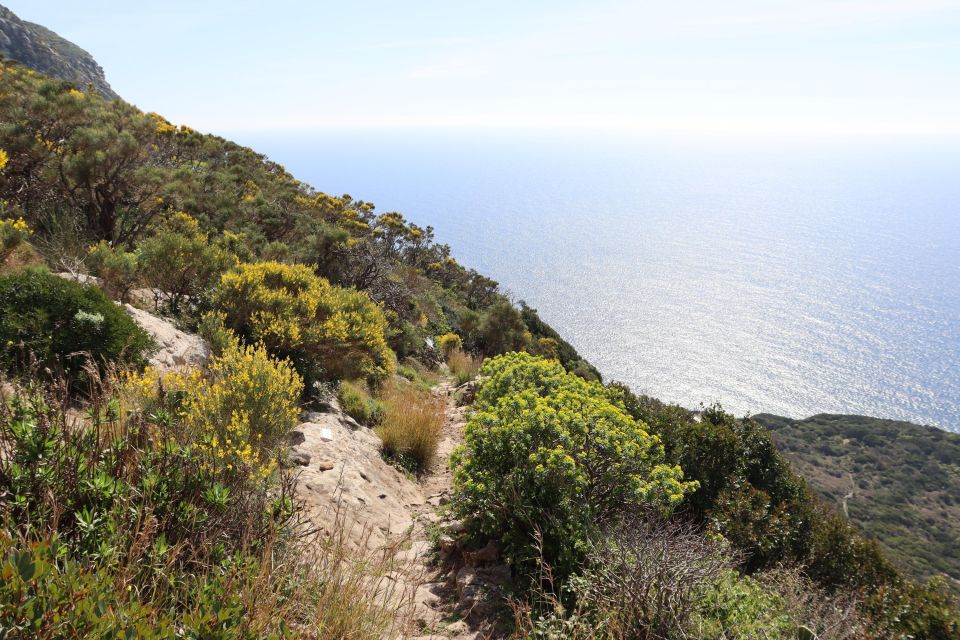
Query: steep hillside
x,y
898,481
43,50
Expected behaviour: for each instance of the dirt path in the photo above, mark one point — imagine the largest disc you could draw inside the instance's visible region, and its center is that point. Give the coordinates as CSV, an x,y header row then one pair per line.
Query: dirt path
x,y
440,595
344,482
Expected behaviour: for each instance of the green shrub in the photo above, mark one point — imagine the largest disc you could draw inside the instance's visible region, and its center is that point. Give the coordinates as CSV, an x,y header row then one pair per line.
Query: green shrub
x,y
546,450
56,321
130,523
502,329
180,260
326,331
357,403
116,268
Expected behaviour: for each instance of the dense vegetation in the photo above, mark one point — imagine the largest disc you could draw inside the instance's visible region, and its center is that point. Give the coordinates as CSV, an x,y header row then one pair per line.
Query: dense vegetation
x,y
546,451
84,170
163,504
899,482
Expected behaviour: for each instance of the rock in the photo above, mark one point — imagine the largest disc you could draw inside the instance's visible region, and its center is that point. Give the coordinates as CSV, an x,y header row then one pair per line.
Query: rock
x,y
456,527
326,406
177,349
448,546
326,435
351,423
296,437
297,457
465,393
482,557
325,465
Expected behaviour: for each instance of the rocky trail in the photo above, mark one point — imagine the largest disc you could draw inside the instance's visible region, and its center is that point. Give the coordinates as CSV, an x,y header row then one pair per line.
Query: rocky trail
x,y
344,481
349,492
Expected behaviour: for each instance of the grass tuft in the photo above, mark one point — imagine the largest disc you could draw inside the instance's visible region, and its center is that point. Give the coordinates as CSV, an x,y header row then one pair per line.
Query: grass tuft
x,y
412,425
463,366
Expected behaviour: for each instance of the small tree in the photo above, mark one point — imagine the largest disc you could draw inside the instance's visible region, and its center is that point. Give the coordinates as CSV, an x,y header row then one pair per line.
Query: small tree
x,y
117,269
180,260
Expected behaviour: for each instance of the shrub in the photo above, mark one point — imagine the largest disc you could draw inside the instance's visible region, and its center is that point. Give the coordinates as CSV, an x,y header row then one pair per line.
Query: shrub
x,y
128,525
244,410
652,578
642,578
448,342
545,450
180,260
13,234
412,425
502,329
357,403
57,321
116,268
463,366
302,317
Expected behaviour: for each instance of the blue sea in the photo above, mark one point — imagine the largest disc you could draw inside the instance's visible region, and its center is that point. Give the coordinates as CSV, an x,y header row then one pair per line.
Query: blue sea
x,y
793,277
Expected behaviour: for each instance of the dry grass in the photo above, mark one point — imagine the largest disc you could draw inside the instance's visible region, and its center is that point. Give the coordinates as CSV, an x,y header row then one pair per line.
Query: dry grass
x,y
344,590
463,366
412,425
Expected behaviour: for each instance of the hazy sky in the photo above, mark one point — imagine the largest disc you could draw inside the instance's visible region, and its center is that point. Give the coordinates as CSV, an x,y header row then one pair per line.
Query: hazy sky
x,y
806,66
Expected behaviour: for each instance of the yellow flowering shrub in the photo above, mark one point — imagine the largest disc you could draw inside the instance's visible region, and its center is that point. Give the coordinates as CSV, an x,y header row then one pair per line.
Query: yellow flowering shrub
x,y
448,342
244,409
4,159
237,412
326,331
13,233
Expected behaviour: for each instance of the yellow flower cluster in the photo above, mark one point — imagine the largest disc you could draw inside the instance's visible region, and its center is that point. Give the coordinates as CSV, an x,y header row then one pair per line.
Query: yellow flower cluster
x,y
4,159
243,410
12,234
289,308
164,127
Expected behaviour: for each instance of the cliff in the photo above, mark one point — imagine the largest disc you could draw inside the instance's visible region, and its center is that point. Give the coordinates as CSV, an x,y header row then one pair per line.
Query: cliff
x,y
42,50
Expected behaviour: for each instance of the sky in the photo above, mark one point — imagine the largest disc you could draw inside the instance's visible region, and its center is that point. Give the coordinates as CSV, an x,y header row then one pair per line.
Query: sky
x,y
878,67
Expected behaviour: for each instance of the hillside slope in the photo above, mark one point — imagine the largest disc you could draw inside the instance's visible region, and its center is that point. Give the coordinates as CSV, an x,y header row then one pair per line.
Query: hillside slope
x,y
42,50
898,481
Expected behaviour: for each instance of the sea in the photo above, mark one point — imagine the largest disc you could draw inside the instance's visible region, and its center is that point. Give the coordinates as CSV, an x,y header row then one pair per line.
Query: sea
x,y
788,275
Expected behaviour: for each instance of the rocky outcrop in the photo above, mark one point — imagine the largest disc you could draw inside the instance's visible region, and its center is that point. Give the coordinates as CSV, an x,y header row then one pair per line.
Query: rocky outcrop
x,y
40,49
175,349
343,478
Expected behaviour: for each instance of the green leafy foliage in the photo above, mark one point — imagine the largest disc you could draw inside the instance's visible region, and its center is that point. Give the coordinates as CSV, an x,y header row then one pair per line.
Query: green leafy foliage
x,y
180,261
61,323
750,494
117,269
547,454
358,404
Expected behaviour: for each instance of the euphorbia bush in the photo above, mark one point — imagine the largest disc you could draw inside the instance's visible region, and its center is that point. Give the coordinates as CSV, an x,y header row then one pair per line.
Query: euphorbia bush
x,y
326,331
547,454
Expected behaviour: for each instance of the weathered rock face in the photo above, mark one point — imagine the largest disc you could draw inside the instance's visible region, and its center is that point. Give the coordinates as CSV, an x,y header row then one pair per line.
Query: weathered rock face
x,y
42,50
345,479
176,349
